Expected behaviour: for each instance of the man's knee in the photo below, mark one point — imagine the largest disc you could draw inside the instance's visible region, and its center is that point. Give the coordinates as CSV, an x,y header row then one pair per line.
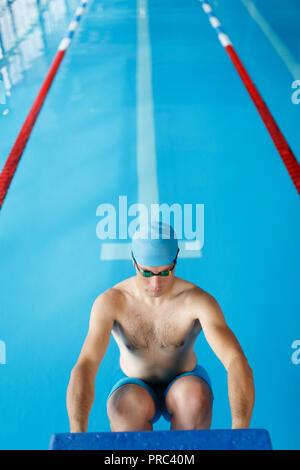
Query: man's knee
x,y
198,403
190,397
133,401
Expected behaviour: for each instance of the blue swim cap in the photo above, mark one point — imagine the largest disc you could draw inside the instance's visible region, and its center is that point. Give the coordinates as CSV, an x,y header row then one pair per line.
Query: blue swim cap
x,y
154,244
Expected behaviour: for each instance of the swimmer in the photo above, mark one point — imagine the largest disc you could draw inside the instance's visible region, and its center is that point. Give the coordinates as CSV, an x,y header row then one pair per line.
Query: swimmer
x,y
155,318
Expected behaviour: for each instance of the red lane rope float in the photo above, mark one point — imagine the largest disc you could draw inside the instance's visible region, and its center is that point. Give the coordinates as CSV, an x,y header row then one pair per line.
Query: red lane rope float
x,y
277,136
16,152
284,150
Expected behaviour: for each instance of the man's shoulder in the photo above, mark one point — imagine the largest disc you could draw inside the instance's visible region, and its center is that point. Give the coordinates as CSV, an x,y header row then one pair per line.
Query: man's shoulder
x,y
116,295
193,293
186,287
109,299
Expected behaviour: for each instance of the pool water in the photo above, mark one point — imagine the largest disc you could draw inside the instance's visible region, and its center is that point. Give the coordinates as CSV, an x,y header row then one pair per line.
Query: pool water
x,y
146,81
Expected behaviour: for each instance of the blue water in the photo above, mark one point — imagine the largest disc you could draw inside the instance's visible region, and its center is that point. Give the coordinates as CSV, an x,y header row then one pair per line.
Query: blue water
x,y
211,148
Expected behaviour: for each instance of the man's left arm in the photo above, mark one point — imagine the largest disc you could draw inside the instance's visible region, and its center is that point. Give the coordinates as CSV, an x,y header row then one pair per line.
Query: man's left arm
x,y
227,348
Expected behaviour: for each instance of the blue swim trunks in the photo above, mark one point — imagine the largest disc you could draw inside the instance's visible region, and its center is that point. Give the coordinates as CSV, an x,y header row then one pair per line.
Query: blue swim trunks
x,y
159,391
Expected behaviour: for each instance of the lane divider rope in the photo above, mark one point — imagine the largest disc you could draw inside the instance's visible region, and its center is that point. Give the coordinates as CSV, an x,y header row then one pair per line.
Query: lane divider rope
x,y
17,150
284,150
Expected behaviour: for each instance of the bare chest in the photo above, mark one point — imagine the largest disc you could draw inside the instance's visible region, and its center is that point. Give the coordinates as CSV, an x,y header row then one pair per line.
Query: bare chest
x,y
170,330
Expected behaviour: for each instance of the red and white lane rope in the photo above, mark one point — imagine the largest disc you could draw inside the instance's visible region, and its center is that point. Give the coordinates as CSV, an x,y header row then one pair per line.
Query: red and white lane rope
x,y
16,152
278,138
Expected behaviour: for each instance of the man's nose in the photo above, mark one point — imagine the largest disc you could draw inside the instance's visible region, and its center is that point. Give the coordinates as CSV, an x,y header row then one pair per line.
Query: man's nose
x,y
155,281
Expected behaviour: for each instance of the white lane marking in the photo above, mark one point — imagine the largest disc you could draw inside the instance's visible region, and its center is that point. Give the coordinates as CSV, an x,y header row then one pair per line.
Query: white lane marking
x,y
146,152
281,49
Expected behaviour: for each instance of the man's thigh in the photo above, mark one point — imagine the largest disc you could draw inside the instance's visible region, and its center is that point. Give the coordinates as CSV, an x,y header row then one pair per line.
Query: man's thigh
x,y
139,391
183,389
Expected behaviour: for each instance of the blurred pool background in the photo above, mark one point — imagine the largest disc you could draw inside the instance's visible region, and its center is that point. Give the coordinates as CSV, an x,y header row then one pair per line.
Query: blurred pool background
x,y
211,148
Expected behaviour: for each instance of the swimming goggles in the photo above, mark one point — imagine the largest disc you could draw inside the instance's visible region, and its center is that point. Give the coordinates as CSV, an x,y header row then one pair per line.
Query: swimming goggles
x,y
146,273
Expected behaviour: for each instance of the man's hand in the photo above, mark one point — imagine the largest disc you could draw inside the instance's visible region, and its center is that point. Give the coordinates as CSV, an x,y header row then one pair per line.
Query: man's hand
x,y
227,348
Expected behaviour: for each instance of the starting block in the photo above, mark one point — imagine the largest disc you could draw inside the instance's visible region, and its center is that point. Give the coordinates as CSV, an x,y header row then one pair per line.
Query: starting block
x,y
236,439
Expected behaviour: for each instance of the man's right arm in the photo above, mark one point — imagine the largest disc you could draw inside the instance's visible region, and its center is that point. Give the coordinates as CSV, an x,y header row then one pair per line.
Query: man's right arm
x,y
81,389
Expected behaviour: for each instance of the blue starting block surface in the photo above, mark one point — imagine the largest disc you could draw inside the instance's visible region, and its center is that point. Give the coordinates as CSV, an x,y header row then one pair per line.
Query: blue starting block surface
x,y
237,439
